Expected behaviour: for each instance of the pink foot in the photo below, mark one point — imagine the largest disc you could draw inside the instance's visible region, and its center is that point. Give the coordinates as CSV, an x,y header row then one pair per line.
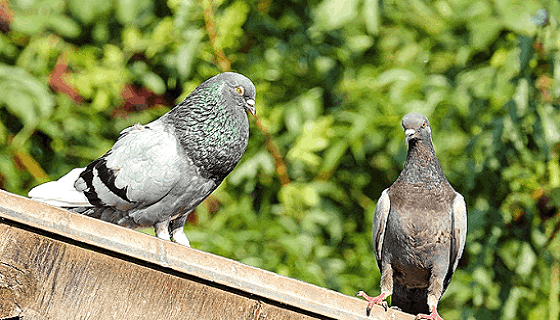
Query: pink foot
x,y
379,300
432,316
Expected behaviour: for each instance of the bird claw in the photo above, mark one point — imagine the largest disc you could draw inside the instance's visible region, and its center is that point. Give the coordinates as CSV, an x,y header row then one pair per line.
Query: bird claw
x,y
385,305
379,300
432,316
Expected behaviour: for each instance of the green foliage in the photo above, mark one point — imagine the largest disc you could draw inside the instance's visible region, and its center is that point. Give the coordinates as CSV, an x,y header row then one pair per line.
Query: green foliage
x,y
333,80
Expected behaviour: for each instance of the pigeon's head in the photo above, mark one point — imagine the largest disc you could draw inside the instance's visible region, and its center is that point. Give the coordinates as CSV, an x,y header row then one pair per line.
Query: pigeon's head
x,y
416,127
240,89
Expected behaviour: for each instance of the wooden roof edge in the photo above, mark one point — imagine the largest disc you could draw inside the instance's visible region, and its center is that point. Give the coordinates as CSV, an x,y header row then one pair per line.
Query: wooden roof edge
x,y
192,262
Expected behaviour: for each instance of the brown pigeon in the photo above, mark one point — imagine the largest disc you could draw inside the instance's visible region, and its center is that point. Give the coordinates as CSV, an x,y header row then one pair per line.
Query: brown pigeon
x,y
419,229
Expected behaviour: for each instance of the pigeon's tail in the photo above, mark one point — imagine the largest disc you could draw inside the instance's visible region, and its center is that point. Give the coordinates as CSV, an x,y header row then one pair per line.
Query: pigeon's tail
x,y
61,193
409,300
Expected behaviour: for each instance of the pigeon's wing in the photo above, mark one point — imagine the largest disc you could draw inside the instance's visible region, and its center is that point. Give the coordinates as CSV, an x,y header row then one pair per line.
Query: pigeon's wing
x,y
459,229
380,223
140,169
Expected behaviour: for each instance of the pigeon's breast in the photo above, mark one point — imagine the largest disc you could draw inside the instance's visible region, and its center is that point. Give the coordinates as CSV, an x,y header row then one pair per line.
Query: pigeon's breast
x,y
426,200
419,222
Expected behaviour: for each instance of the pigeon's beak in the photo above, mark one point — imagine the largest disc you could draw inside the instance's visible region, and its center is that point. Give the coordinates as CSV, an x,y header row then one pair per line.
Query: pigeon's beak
x,y
409,134
250,106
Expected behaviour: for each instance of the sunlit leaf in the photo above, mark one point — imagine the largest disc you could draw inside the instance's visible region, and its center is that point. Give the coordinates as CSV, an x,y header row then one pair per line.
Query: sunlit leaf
x,y
154,82
332,14
371,16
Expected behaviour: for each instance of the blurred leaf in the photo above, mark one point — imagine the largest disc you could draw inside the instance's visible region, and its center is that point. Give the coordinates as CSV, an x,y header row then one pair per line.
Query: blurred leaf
x,y
527,51
64,26
186,53
371,16
29,99
29,24
132,39
134,12
162,36
88,11
332,14
313,138
517,14
229,24
249,168
549,124
154,82
526,261
333,156
512,302
484,32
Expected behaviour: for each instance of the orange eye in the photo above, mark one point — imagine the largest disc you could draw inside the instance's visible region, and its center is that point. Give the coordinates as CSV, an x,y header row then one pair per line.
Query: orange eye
x,y
239,90
424,124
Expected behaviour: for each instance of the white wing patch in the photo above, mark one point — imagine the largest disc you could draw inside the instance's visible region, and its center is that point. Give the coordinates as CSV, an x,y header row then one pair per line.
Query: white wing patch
x,y
380,222
460,222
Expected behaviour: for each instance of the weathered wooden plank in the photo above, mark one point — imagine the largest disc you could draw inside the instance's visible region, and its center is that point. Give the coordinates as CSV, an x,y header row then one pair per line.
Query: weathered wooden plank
x,y
58,265
51,279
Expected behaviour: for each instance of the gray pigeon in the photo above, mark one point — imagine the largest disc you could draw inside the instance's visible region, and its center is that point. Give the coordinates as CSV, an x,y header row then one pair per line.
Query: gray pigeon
x,y
156,174
419,229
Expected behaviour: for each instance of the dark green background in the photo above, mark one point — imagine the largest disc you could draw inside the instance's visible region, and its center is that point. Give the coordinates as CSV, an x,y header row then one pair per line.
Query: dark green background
x,y
334,79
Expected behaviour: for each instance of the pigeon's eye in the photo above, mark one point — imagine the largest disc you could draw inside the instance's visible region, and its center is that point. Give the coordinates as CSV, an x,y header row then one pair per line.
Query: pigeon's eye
x,y
424,124
239,90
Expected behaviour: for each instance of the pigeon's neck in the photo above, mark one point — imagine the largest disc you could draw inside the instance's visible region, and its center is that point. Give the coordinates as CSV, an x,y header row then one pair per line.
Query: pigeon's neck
x,y
212,133
422,165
